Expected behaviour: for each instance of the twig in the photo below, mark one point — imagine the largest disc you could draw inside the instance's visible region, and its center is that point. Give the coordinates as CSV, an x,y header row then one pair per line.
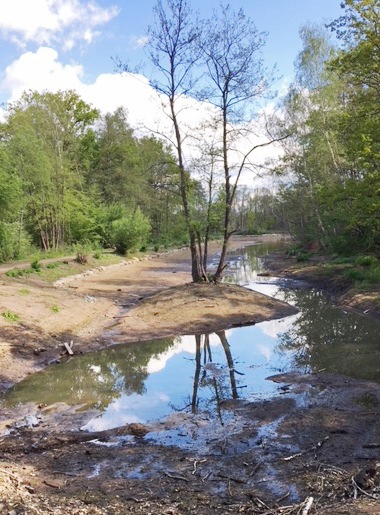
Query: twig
x,y
357,487
195,465
237,480
256,468
176,477
313,448
206,476
309,501
282,498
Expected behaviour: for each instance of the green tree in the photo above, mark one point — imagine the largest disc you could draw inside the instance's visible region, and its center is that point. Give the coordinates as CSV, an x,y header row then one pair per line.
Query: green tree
x,y
131,232
43,134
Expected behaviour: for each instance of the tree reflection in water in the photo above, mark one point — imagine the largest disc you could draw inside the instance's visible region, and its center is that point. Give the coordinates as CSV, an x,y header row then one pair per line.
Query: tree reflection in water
x,y
93,380
140,380
326,337
210,375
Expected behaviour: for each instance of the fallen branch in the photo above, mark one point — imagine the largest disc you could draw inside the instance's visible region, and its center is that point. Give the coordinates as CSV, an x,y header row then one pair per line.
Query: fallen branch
x,y
313,448
309,502
357,487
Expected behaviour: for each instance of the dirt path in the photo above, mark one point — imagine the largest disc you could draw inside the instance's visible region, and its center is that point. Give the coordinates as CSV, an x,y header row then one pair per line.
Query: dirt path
x,y
269,457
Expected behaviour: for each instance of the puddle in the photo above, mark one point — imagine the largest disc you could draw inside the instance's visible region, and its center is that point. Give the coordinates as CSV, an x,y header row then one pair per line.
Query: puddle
x,y
195,375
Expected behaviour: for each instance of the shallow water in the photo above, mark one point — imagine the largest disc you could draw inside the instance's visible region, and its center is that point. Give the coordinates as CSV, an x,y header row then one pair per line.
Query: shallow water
x,y
147,381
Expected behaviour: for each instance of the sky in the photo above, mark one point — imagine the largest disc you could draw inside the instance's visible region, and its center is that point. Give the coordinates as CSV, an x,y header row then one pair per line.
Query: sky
x,y
74,44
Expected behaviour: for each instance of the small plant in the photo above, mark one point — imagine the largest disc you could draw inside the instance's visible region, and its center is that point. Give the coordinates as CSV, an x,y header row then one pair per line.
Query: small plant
x,y
354,274
55,309
98,254
24,291
302,256
82,252
35,265
15,272
8,315
52,265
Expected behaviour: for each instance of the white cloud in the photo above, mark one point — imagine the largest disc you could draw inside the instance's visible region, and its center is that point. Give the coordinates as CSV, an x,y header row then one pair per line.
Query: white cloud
x,y
52,21
39,71
42,70
140,41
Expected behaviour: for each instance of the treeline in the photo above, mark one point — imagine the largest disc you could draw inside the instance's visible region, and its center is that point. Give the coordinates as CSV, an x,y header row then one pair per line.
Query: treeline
x,y
69,176
330,193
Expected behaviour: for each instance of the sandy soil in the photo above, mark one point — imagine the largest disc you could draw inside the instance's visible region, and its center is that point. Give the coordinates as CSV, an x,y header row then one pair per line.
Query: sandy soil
x,y
314,447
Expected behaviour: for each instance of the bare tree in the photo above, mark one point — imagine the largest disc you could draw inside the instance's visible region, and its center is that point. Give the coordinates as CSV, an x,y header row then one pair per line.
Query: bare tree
x,y
173,50
236,79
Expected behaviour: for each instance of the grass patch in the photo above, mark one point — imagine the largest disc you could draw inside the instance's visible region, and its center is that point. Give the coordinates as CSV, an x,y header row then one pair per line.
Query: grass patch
x,y
51,266
24,291
56,270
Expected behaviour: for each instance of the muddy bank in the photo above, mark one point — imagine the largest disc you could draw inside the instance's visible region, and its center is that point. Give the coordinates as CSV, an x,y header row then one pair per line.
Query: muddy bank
x,y
318,440
318,272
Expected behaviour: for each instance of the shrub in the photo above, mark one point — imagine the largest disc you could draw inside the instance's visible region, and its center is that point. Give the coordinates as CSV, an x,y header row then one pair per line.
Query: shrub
x,y
52,265
366,260
15,243
15,272
82,251
131,232
35,265
302,256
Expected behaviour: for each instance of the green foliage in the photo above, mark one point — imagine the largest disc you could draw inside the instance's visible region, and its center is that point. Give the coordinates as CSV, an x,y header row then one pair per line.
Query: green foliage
x,y
36,266
16,272
366,260
82,251
24,291
51,266
130,232
15,243
302,257
55,309
8,315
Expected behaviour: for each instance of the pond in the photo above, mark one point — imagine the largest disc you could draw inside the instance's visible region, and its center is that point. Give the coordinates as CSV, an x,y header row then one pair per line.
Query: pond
x,y
145,382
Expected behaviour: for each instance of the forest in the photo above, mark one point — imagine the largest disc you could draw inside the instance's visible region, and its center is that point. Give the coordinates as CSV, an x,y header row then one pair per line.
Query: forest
x,y
71,176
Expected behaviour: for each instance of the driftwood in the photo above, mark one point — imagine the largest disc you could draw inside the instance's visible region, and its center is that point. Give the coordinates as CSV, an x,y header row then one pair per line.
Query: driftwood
x,y
69,347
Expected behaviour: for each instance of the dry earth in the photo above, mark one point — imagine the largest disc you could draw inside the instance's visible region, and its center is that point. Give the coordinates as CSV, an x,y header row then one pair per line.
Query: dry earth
x,y
274,457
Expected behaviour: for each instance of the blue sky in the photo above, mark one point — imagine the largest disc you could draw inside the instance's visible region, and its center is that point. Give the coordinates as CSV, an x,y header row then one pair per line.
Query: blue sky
x,y
86,35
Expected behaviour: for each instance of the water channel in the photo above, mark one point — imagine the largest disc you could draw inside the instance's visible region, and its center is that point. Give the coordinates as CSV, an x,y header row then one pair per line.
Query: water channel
x,y
147,381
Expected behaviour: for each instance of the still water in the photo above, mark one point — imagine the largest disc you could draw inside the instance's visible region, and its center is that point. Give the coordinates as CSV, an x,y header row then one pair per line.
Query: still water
x,y
147,381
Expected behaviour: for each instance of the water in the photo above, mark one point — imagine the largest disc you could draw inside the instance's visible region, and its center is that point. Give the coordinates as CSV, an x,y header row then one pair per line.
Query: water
x,y
147,381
